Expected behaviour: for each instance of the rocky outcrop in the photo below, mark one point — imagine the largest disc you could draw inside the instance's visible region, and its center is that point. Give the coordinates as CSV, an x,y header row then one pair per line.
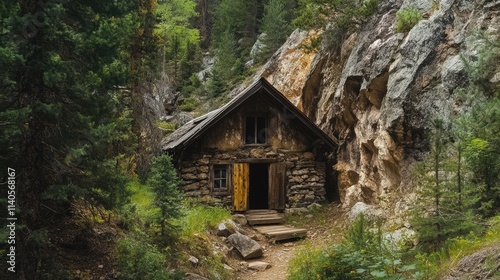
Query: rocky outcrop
x,y
379,92
483,264
287,69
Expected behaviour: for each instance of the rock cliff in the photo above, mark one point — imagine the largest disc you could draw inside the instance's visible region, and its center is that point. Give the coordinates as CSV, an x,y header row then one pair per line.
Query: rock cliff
x,y
379,92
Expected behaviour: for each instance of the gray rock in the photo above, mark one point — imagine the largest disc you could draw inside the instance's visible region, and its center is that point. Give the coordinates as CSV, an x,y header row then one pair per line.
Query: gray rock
x,y
240,219
194,276
260,266
400,237
224,230
258,46
453,73
298,210
193,260
370,212
247,247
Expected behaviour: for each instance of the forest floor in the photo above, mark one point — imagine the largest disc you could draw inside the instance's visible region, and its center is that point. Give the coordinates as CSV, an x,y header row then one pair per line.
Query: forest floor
x,y
324,225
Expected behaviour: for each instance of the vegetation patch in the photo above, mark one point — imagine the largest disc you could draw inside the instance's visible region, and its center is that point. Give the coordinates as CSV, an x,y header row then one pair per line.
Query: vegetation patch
x,y
407,19
199,218
440,263
362,254
189,104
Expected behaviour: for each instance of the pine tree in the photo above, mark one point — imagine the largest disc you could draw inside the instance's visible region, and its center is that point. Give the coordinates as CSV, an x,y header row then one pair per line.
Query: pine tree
x,y
439,212
177,37
225,67
165,185
62,63
276,24
481,126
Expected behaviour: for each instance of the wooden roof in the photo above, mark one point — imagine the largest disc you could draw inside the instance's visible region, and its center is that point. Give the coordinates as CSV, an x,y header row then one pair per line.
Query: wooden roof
x,y
188,133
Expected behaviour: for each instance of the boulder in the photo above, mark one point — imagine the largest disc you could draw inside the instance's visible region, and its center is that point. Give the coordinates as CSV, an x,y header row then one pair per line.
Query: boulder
x,y
400,238
240,219
247,247
370,212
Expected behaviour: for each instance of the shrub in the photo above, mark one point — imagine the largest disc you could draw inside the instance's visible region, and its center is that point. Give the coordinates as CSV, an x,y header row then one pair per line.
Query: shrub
x,y
169,126
362,255
407,18
139,259
189,104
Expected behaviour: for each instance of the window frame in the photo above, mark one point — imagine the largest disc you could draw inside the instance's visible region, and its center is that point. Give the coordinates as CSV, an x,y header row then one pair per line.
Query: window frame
x,y
256,130
213,168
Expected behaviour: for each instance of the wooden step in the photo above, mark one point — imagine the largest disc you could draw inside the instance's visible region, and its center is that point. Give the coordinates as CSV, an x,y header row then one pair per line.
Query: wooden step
x,y
263,217
279,232
264,220
261,211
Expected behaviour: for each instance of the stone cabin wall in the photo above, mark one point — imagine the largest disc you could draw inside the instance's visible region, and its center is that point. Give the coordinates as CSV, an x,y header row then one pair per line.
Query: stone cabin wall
x,y
306,178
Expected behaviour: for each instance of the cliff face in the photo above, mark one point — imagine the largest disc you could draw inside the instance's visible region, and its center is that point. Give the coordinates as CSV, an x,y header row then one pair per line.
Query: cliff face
x,y
378,94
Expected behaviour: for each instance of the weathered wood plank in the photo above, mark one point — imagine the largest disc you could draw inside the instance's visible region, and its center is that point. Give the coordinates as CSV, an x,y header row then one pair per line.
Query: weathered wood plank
x,y
280,232
257,216
265,229
280,229
261,211
263,221
277,178
240,186
286,236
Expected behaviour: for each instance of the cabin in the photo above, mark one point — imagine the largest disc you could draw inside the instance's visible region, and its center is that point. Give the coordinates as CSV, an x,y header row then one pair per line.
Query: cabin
x,y
256,152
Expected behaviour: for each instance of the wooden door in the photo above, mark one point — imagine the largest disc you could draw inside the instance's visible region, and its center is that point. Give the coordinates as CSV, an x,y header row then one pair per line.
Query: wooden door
x,y
241,182
277,183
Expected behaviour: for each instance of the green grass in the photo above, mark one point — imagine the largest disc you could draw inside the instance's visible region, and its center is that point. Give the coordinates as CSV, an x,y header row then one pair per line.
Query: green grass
x,y
320,217
440,263
142,200
192,238
199,218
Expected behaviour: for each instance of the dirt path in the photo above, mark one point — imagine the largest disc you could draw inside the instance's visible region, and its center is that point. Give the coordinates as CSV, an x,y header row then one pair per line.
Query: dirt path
x,y
279,256
324,226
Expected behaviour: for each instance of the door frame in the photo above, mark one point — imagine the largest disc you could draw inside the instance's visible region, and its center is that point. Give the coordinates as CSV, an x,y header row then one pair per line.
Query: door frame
x,y
276,186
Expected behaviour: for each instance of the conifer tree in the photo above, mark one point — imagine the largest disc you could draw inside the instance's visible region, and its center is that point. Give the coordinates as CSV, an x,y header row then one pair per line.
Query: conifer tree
x,y
177,37
481,126
65,129
226,65
439,213
165,186
276,24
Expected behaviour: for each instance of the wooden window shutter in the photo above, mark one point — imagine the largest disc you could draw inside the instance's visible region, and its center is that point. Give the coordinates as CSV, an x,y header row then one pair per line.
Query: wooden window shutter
x,y
277,184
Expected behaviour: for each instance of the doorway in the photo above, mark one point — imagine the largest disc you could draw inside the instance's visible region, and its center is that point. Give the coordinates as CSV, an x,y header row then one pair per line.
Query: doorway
x,y
259,186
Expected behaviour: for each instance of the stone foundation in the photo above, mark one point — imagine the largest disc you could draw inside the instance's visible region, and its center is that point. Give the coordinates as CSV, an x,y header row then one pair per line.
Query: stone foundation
x,y
306,178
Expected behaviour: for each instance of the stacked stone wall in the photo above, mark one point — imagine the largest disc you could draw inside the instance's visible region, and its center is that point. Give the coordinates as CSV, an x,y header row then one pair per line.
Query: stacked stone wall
x,y
305,182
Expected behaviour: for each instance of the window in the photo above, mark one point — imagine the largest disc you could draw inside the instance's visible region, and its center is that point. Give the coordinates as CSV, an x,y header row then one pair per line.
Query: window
x,y
255,130
220,178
